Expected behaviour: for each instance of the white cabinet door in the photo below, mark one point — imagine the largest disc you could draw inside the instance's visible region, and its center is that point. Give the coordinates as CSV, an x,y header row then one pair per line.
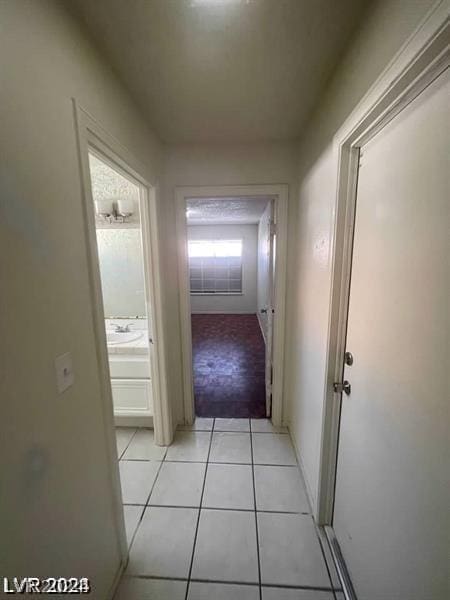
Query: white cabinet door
x,y
132,397
391,502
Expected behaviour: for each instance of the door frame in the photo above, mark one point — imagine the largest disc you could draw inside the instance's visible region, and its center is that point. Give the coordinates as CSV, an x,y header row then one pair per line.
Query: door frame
x,y
268,334
422,58
280,195
91,135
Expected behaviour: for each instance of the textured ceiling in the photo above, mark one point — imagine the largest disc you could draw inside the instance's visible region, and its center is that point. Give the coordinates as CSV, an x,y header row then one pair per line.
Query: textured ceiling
x,y
222,70
209,211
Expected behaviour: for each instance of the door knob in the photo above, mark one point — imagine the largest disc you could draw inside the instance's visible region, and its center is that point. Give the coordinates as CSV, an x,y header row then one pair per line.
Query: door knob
x,y
342,387
348,359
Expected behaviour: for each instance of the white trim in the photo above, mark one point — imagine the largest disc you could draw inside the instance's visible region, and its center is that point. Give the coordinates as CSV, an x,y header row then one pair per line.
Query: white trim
x,y
100,338
138,422
419,61
301,466
121,159
280,194
116,581
339,564
263,333
89,134
162,413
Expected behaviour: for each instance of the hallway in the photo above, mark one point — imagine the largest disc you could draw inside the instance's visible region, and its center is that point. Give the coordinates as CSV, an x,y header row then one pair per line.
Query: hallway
x,y
229,366
212,212
222,513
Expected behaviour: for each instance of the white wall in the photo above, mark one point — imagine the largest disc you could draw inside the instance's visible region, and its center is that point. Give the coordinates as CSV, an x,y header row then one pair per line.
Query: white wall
x,y
246,302
214,164
263,267
55,501
384,30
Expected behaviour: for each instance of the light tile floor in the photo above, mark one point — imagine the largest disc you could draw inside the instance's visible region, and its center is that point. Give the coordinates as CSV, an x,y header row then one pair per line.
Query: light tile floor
x,y
221,514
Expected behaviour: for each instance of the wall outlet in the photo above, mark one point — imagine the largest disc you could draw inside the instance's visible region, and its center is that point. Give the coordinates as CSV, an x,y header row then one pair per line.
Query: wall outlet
x,y
65,375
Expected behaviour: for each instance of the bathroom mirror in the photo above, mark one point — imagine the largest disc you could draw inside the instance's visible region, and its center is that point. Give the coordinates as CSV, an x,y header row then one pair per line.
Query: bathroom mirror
x,y
121,271
119,241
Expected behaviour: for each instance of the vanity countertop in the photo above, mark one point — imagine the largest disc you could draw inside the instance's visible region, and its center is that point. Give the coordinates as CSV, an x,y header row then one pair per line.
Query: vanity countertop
x,y
139,346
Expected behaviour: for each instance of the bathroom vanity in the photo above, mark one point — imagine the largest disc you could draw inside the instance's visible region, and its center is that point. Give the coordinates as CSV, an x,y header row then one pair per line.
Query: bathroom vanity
x,y
131,382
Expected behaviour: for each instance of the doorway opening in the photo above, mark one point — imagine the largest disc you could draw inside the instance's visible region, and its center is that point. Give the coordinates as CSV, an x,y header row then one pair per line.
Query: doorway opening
x,y
121,232
119,207
231,277
124,283
229,271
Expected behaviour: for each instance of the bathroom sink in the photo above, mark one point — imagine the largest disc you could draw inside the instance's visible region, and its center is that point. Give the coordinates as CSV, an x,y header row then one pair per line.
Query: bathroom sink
x,y
117,337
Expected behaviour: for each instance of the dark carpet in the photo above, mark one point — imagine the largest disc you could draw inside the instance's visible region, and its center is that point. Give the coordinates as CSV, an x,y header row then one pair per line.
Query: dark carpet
x,y
229,366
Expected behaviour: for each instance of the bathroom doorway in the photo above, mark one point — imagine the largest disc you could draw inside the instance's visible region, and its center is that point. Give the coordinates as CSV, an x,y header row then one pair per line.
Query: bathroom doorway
x,y
119,236
124,265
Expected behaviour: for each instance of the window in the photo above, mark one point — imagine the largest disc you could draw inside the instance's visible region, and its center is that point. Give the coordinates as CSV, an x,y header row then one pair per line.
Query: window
x,y
215,266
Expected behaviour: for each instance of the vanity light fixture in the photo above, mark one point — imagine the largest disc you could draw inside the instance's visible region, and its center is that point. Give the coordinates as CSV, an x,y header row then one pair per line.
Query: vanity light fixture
x,y
104,208
114,211
125,207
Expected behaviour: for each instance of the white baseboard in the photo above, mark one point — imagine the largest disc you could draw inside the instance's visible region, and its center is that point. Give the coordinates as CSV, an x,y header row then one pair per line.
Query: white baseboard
x,y
137,421
258,316
309,494
116,581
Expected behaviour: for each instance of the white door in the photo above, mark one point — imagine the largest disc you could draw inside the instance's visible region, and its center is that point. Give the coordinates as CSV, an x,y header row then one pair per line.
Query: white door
x,y
391,500
271,233
266,278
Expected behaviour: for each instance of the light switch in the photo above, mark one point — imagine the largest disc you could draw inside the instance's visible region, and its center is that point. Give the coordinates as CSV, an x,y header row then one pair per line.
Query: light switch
x,y
64,372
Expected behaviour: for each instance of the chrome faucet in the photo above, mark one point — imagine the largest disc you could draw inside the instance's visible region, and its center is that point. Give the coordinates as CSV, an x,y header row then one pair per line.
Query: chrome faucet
x,y
121,328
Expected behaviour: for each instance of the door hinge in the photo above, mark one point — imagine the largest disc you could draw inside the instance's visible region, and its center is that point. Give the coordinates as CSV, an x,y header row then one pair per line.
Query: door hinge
x,y
360,162
343,386
273,228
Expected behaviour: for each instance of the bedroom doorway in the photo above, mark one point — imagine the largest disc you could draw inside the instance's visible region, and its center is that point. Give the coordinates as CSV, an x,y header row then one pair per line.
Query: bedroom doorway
x,y
229,269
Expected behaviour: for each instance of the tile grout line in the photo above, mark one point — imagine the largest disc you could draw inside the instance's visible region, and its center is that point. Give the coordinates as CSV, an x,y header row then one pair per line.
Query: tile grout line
x,y
232,582
129,442
145,508
151,459
224,508
256,514
201,507
199,513
215,462
266,585
254,432
123,503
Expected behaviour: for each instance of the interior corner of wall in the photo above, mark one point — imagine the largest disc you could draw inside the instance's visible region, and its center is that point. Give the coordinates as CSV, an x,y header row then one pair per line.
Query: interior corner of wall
x,y
312,497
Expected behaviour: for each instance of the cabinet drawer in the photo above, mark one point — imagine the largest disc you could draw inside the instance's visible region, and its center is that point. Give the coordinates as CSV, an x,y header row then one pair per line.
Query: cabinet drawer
x,y
132,397
129,367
